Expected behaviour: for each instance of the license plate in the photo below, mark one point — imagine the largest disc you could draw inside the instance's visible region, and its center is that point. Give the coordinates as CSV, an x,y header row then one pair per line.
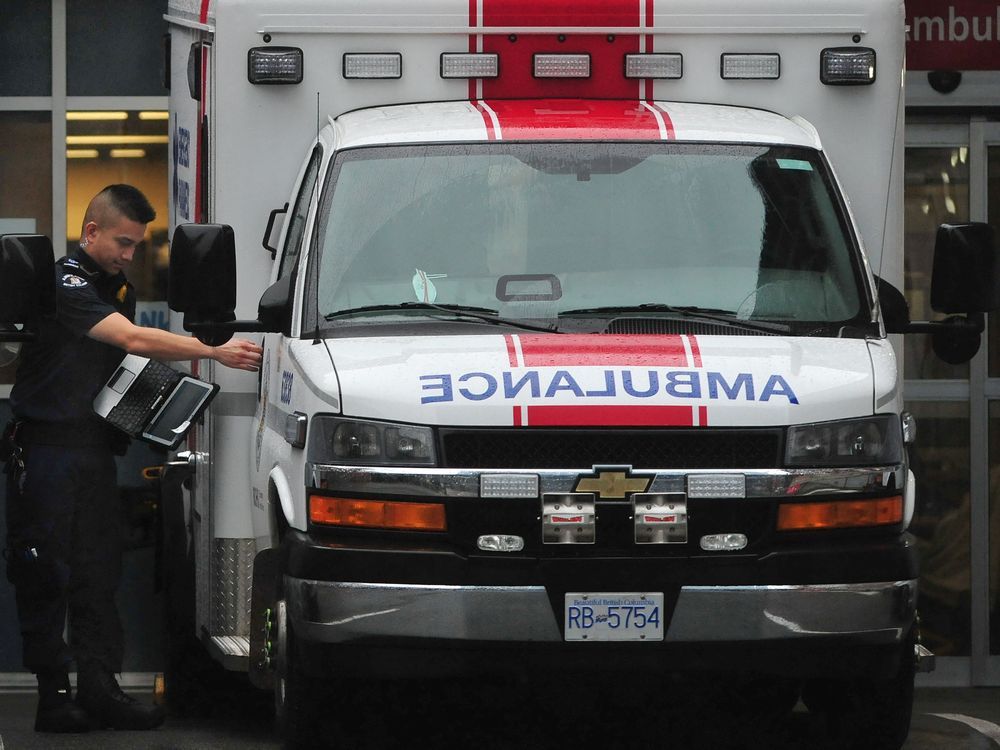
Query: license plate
x,y
614,617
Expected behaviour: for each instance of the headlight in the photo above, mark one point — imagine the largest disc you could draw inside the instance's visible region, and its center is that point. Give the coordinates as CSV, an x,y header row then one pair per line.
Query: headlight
x,y
353,441
870,441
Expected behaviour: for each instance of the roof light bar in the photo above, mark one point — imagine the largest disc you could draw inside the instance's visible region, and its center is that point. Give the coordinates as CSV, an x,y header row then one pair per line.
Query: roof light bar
x,y
373,65
470,65
847,66
655,65
751,66
274,65
562,66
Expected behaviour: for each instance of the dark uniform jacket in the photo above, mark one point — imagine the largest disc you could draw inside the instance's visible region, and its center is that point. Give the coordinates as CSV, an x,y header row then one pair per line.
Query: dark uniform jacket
x,y
63,370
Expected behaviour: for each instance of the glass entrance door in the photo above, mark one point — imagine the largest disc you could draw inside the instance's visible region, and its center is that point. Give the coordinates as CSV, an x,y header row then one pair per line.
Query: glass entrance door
x,y
950,169
936,191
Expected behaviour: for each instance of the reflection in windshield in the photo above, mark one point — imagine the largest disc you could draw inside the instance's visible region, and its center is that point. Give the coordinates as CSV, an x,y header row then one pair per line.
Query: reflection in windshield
x,y
535,230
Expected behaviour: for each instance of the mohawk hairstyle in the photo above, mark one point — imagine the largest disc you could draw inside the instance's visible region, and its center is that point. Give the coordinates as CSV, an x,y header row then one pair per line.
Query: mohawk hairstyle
x,y
125,200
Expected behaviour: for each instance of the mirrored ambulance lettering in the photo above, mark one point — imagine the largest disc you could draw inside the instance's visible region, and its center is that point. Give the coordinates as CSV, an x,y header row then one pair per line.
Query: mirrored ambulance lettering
x,y
625,385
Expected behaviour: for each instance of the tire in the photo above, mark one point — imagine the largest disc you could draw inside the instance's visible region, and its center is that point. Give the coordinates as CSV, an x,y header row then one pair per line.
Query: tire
x,y
298,696
868,714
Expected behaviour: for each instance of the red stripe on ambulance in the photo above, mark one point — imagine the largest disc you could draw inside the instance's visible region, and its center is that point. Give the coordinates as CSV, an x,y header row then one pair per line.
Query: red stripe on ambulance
x,y
518,50
647,46
567,13
547,350
573,119
474,44
606,52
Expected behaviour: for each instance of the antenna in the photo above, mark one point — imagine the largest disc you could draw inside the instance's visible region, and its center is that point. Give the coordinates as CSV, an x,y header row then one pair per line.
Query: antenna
x,y
885,219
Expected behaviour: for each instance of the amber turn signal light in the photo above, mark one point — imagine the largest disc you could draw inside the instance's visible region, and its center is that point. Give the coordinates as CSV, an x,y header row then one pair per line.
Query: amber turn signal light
x,y
376,514
840,514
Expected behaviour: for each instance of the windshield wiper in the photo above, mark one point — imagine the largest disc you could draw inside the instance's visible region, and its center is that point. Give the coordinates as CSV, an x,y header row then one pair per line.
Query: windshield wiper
x,y
483,314
407,306
726,317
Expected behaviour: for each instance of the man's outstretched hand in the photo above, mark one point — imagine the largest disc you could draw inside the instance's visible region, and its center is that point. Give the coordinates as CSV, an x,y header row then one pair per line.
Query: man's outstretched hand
x,y
240,354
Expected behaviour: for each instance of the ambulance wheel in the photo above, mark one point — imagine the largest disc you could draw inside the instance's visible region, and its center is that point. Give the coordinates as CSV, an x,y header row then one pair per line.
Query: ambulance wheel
x,y
868,714
298,696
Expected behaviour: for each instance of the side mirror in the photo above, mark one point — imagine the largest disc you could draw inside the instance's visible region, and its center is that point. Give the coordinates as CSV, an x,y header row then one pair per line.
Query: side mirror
x,y
965,284
966,275
202,279
895,310
955,342
27,282
275,308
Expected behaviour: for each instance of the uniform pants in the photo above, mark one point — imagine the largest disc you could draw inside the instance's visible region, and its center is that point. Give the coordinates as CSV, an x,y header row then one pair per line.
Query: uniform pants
x,y
64,553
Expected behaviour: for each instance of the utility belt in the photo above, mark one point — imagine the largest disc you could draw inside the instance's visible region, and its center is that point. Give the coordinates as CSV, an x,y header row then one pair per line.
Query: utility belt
x,y
18,435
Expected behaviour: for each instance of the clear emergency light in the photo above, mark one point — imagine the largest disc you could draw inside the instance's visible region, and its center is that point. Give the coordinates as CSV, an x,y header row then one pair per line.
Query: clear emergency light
x,y
562,66
373,65
274,65
716,486
847,66
751,66
470,65
654,65
508,485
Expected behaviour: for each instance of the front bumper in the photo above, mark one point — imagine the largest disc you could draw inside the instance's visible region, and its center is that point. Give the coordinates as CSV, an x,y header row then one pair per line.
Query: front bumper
x,y
808,603
331,612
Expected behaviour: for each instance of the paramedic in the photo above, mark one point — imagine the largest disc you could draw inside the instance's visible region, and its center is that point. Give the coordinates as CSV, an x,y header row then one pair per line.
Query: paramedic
x,y
63,538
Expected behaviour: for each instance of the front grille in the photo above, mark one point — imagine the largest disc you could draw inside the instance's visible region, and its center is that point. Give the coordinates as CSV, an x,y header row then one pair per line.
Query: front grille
x,y
584,448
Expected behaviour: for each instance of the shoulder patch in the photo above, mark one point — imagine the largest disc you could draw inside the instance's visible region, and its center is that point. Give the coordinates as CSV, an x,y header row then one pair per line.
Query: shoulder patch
x,y
72,281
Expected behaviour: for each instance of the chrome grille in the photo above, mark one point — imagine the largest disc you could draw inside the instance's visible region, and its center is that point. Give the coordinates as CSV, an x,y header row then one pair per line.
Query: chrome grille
x,y
584,448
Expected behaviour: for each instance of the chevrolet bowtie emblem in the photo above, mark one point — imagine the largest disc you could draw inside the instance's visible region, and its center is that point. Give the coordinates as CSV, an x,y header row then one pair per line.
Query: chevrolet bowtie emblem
x,y
612,484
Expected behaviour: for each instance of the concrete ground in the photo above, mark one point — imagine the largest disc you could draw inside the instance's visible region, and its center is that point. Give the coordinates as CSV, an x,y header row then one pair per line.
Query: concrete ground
x,y
491,718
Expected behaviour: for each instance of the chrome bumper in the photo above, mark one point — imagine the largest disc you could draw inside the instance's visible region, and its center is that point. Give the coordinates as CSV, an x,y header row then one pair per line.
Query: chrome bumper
x,y
326,612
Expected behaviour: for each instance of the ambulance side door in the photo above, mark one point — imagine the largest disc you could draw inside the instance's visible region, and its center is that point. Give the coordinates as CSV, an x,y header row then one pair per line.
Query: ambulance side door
x,y
270,446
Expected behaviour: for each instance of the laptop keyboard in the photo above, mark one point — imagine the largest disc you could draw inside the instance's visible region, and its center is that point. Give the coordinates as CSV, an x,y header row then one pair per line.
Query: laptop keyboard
x,y
133,411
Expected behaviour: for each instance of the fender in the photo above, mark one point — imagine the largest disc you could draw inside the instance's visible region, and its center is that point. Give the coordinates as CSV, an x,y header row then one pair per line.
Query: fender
x,y
279,482
909,499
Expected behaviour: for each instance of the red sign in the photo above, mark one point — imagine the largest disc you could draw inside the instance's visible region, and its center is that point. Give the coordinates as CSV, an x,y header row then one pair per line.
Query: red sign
x,y
958,35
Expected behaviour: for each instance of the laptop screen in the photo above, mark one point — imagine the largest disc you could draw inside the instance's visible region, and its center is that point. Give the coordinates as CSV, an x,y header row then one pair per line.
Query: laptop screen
x,y
184,403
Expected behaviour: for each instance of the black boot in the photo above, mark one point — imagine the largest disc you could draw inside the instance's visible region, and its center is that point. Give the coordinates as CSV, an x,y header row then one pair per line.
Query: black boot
x,y
56,710
98,693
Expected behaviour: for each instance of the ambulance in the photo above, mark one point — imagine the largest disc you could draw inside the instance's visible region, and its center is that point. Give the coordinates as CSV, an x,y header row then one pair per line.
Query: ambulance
x,y
581,345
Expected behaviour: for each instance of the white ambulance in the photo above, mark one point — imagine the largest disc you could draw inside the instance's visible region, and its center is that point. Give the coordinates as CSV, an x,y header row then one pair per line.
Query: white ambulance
x,y
576,342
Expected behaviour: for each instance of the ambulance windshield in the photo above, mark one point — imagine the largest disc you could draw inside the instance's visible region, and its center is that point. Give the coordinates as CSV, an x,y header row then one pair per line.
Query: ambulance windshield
x,y
550,231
